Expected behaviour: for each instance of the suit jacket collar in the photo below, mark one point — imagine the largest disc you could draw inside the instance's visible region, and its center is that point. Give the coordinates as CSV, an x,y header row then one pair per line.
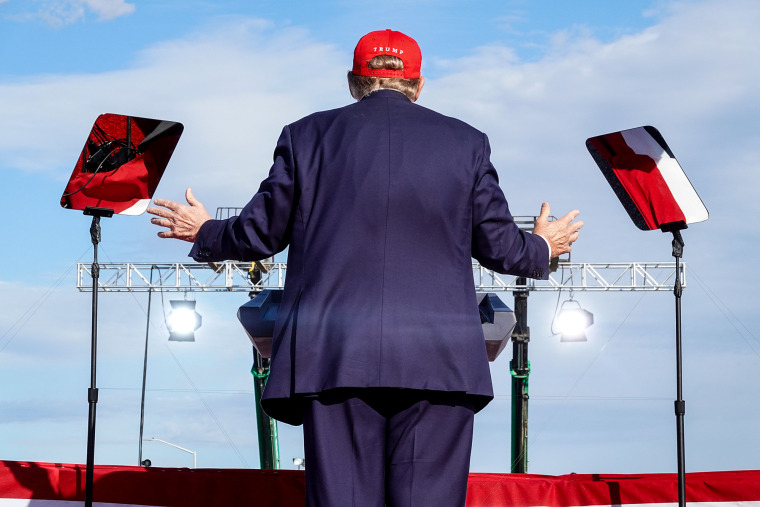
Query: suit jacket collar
x,y
386,93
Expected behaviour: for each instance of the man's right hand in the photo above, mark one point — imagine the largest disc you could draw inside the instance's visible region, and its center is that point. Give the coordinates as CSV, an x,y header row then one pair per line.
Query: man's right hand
x,y
560,233
183,221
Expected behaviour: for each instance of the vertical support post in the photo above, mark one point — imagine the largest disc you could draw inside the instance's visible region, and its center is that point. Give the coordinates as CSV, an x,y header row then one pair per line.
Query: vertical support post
x,y
680,404
520,370
269,453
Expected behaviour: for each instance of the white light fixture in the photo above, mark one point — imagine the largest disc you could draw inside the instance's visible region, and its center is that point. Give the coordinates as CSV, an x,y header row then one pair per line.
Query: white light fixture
x,y
183,321
572,322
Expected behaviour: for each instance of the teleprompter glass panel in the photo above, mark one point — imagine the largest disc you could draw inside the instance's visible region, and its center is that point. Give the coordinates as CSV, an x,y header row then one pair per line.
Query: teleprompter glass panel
x,y
647,178
121,164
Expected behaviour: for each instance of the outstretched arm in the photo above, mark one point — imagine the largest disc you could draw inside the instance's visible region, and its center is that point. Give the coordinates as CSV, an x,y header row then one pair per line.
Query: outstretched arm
x,y
560,233
183,220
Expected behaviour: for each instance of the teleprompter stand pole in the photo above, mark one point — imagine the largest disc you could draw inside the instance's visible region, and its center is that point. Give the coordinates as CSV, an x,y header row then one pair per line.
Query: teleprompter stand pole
x,y
680,404
92,392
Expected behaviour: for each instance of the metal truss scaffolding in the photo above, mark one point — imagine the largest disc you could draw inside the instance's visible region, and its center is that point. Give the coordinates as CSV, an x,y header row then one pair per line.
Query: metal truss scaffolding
x,y
234,276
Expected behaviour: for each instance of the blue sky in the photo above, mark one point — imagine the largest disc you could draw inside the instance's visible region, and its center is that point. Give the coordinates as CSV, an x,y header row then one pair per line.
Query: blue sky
x,y
539,77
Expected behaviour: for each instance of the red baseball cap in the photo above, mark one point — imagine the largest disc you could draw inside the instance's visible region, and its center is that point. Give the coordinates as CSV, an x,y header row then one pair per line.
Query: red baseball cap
x,y
387,42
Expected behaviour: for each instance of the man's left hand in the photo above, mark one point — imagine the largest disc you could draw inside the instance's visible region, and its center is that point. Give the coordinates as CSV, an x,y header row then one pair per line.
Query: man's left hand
x,y
561,233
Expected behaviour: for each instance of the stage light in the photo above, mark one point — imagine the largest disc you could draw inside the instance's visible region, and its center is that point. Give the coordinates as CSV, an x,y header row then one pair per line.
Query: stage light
x,y
572,322
183,321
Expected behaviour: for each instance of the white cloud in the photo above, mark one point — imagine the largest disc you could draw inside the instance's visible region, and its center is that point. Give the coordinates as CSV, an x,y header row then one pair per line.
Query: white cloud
x,y
65,12
692,75
110,9
689,71
233,88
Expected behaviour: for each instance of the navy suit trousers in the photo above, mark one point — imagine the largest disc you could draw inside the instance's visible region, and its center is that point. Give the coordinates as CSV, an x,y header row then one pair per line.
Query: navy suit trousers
x,y
387,447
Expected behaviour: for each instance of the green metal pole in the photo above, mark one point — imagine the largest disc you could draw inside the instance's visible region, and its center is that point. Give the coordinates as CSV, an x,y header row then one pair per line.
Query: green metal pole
x,y
520,370
269,452
269,448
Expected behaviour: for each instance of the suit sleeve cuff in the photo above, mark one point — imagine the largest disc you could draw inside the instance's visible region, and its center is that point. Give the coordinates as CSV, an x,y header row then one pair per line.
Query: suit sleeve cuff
x,y
201,250
548,246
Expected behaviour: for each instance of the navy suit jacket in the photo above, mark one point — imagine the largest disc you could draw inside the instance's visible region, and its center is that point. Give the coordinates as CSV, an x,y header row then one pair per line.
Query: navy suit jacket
x,y
383,204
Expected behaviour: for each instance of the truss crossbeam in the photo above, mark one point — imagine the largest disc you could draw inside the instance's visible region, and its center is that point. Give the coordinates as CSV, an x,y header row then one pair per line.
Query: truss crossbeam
x,y
587,276
234,276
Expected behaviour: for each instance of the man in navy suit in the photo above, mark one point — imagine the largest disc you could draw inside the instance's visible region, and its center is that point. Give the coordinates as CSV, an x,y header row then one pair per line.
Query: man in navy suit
x,y
378,348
